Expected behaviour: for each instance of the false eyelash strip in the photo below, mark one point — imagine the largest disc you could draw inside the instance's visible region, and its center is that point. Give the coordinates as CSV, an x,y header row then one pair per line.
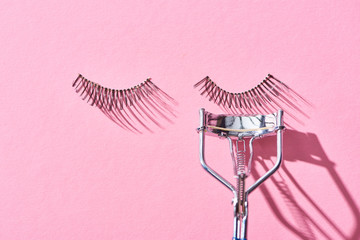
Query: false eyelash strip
x,y
130,107
266,95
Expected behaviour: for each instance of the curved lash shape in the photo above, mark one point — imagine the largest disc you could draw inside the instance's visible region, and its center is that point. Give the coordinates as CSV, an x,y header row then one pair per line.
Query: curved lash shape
x,y
269,95
128,108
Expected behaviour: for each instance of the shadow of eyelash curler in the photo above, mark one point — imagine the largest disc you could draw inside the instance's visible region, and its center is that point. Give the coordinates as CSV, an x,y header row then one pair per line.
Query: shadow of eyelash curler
x,y
130,107
268,96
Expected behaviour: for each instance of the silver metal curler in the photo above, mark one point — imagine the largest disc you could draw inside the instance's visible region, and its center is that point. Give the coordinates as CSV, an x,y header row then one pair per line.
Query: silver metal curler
x,y
237,129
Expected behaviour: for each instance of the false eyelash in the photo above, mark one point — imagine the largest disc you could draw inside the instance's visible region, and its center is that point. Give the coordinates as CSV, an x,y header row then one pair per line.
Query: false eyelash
x,y
128,107
265,96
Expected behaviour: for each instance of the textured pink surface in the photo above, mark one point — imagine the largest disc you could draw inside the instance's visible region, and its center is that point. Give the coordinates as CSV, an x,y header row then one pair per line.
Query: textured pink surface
x,y
67,172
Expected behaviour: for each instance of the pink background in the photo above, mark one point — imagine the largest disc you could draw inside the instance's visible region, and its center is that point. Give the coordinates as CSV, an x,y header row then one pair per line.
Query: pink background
x,y
68,172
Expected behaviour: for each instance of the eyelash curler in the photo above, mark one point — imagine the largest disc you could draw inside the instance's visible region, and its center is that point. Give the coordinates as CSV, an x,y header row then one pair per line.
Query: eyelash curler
x,y
238,129
268,96
127,107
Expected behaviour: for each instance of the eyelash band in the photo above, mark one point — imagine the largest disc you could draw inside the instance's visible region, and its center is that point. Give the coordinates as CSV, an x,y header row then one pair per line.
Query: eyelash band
x,y
133,108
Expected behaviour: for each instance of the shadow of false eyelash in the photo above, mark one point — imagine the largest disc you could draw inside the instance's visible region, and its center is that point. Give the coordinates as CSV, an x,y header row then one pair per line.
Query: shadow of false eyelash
x,y
131,109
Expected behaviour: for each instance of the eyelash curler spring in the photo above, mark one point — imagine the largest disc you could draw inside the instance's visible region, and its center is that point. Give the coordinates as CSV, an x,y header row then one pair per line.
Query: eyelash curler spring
x,y
239,129
268,96
130,107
